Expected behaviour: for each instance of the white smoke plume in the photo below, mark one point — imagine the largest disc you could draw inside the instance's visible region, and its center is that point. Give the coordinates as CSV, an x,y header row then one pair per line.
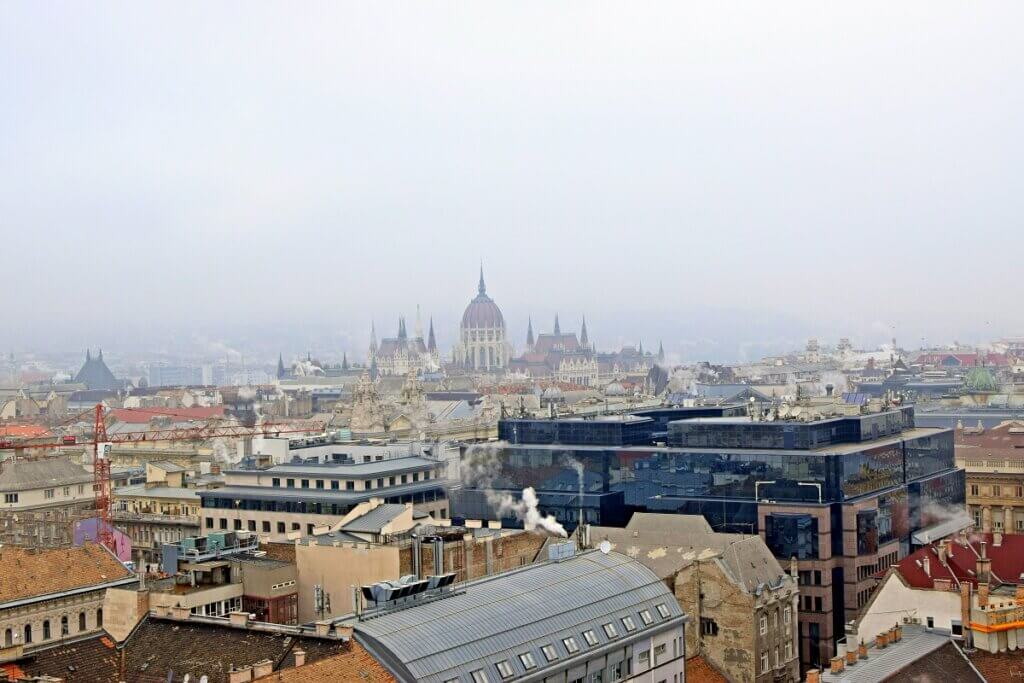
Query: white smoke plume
x,y
482,467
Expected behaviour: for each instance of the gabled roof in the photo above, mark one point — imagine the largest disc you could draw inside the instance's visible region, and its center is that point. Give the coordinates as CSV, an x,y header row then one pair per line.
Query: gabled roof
x,y
502,616
1007,561
33,574
144,416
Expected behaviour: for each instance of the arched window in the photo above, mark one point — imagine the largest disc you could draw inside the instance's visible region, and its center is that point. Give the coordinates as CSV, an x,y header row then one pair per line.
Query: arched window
x,y
64,627
28,633
99,618
8,638
46,630
81,621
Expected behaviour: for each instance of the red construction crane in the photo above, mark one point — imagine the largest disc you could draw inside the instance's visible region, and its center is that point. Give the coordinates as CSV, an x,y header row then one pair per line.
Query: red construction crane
x,y
101,464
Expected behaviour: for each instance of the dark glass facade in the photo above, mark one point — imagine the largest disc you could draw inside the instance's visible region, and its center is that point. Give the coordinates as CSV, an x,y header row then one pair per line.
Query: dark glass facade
x,y
792,535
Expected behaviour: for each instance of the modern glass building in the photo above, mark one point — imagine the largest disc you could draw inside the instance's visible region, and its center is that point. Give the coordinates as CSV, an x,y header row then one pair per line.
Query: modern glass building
x,y
842,495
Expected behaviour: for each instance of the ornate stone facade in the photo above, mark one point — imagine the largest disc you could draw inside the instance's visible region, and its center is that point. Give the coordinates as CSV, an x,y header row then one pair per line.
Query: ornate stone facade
x,y
483,345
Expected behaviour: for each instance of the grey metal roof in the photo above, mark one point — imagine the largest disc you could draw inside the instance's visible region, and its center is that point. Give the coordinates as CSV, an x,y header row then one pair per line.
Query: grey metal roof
x,y
167,466
349,470
376,518
22,475
503,616
917,642
170,492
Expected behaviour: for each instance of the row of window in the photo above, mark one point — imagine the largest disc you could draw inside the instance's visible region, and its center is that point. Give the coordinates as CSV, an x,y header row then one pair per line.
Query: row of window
x,y
65,629
787,618
223,500
266,526
350,485
572,646
764,657
47,493
996,490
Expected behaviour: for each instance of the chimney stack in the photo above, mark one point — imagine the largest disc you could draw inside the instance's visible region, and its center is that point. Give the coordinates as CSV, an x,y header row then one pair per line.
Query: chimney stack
x,y
837,665
983,567
943,553
813,676
300,657
927,566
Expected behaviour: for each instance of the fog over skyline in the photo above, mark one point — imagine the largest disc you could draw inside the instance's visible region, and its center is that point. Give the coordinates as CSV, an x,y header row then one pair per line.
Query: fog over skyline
x,y
729,178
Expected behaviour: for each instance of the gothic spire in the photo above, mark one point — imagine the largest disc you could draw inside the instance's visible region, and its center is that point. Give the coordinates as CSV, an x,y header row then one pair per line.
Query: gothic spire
x,y
529,333
419,323
584,341
280,366
401,327
641,347
88,355
481,288
431,342
344,361
558,329
661,352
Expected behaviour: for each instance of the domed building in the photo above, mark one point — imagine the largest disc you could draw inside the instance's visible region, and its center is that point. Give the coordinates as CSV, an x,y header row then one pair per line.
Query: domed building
x,y
482,346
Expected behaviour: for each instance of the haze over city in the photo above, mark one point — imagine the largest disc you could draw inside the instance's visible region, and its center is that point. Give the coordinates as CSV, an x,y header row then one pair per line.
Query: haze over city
x,y
728,179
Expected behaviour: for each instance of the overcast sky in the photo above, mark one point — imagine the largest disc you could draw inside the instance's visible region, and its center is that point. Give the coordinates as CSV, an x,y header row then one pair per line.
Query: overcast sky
x,y
709,173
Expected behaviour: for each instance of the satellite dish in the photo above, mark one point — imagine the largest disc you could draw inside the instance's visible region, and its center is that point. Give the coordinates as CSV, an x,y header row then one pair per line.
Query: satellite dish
x,y
605,547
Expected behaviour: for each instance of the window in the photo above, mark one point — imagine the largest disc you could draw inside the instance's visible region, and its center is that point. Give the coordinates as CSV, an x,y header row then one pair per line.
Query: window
x,y
527,660
645,615
280,527
590,637
266,527
479,676
615,672
609,630
10,497
319,483
662,610
295,526
776,655
48,493
931,622
643,659
659,652
81,488
309,529
597,677
209,522
46,630
571,646
786,616
223,523
305,483
64,628
350,486
505,669
817,604
99,617
391,481
28,633
405,478
763,628
775,619
628,622
291,483
238,525
996,491
1020,491
277,482
764,660
81,621
550,653
335,485
708,627
380,483
251,525
8,638
789,650
66,491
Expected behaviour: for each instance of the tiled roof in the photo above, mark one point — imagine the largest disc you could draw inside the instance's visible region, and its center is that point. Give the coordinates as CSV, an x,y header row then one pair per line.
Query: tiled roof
x,y
356,665
31,573
1004,667
24,431
947,663
699,670
159,648
1007,561
881,665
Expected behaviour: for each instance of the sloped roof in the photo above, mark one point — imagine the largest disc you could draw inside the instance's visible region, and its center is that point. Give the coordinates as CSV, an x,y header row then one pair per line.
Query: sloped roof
x,y
22,475
376,518
35,573
355,665
144,416
1007,561
700,670
96,375
499,617
947,663
27,431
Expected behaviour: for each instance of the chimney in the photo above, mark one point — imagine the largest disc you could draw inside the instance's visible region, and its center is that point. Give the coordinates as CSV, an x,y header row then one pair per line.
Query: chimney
x,y
300,657
881,641
862,650
983,594
943,553
793,570
813,676
323,628
344,631
239,675
179,613
927,566
238,619
261,669
837,665
851,656
983,568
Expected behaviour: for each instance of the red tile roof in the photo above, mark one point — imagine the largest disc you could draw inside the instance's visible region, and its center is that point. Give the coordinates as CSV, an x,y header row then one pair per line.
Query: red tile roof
x,y
29,573
25,431
144,415
699,670
1007,561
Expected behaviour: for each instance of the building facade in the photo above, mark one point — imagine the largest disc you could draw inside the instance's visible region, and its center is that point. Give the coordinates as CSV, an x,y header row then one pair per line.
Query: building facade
x,y
298,498
843,494
993,460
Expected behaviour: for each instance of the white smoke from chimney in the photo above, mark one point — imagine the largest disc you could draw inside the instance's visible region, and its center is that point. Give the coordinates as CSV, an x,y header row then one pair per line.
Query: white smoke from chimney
x,y
481,469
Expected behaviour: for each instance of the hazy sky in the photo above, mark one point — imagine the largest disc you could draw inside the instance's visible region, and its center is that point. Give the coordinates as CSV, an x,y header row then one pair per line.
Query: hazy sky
x,y
712,173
